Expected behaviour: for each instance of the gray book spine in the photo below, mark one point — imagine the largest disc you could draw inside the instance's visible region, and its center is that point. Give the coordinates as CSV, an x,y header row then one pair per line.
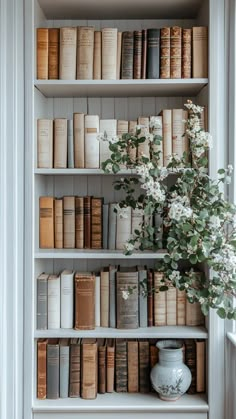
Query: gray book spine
x,y
42,302
143,308
70,144
64,371
105,208
127,309
112,297
112,228
158,220
52,371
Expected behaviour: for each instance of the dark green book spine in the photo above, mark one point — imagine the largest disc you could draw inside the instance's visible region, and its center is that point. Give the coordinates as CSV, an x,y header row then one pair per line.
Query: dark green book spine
x,y
127,55
153,53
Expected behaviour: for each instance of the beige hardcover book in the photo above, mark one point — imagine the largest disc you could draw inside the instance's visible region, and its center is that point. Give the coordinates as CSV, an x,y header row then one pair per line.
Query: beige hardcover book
x,y
186,53
42,53
123,228
181,307
54,302
45,143
91,128
110,365
68,43
108,127
109,53
69,222
46,222
97,56
79,222
200,366
53,53
159,301
132,152
58,223
122,128
78,119
60,143
175,52
85,47
178,141
171,306
143,148
167,135
200,52
104,283
133,367
156,121
118,61
194,316
89,366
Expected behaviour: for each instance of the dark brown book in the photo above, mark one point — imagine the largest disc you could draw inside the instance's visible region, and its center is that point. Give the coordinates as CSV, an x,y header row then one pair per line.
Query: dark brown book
x,y
84,301
42,368
121,363
165,53
186,53
144,54
96,223
53,53
133,367
144,367
150,296
89,369
153,54
190,360
79,222
153,357
42,53
137,54
46,222
127,53
69,222
101,366
53,369
110,345
74,383
87,222
127,308
200,366
175,52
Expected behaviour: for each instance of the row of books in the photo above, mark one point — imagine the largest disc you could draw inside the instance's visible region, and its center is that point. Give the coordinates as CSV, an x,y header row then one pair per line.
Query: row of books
x,y
84,367
87,223
85,300
71,53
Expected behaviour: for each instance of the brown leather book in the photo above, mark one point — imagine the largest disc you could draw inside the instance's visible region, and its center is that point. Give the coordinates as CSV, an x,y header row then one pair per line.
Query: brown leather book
x,y
101,366
127,53
200,52
110,345
175,52
154,355
53,53
144,54
150,296
133,367
58,223
42,53
144,367
97,56
42,368
87,222
121,363
186,53
84,301
85,50
137,54
89,369
79,222
69,222
165,53
46,222
96,223
200,366
74,383
190,360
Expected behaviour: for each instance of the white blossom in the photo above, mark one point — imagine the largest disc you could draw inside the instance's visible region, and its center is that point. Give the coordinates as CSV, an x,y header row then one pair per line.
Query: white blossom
x,y
214,222
129,247
125,295
230,169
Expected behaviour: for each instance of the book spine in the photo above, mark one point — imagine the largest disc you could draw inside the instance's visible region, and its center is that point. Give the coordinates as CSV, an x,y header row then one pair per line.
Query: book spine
x,y
181,307
158,221
167,135
186,53
58,225
109,53
112,227
69,222
97,56
150,297
127,309
68,43
87,222
79,222
160,309
175,52
200,52
85,50
132,152
102,369
42,53
70,144
52,371
144,367
123,229
105,209
108,127
42,369
45,143
144,54
74,385
64,371
190,360
143,148
110,368
171,306
104,299
84,301
42,302
60,143
157,124
177,132
165,53
89,371
112,297
118,58
96,223
200,366
137,54
54,302
67,299
136,223
78,120
194,316
53,53
127,53
121,362
143,303
97,301
91,141
153,53
133,367
46,222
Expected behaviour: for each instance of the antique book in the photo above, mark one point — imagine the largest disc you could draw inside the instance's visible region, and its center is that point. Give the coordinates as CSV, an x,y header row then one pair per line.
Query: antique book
x,y
136,223
160,301
42,53
144,54
194,315
158,225
96,223
69,222
150,299
123,228
171,306
87,222
181,307
133,367
186,53
70,144
60,143
112,221
190,361
121,363
42,301
110,344
67,299
109,53
58,223
104,289
132,151
85,50
68,45
79,222
46,222
105,220
167,135
64,361
157,123
165,53
97,300
97,56
89,374
153,358
118,59
91,128
45,143
153,53
53,369
112,295
143,148
42,368
186,145
143,306
53,53
78,119
178,141
200,52
200,366
122,128
54,302
127,53
175,52
74,376
144,367
127,308
84,301
101,366
108,127
137,54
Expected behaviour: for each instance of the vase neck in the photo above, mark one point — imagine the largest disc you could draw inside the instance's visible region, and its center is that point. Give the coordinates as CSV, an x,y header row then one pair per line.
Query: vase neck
x,y
172,356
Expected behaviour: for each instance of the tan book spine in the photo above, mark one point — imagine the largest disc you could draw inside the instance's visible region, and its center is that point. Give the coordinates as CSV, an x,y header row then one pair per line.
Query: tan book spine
x,y
45,143
85,49
110,366
104,281
132,152
87,222
42,53
101,367
42,369
69,222
178,143
46,222
133,367
96,223
143,148
181,307
165,54
171,306
74,384
194,316
109,53
122,128
89,375
97,56
200,52
137,70
91,125
150,298
167,135
53,53
127,316
175,52
157,130
58,223
186,53
60,143
84,301
79,222
78,120
200,366
68,43
159,301
118,59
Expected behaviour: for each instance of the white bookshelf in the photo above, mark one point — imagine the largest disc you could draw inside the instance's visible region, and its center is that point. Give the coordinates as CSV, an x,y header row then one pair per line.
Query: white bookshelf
x,y
95,254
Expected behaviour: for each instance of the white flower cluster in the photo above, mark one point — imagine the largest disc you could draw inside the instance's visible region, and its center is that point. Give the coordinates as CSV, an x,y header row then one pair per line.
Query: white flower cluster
x,y
179,207
125,295
215,222
129,247
103,136
226,258
194,108
175,276
153,188
155,123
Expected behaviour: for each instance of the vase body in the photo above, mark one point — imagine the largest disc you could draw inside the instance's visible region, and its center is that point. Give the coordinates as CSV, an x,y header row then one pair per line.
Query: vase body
x,y
170,377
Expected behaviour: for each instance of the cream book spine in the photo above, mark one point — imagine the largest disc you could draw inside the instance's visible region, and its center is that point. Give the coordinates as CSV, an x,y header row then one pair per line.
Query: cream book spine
x,y
109,53
178,141
85,48
78,119
54,302
70,144
156,122
181,307
118,61
122,128
123,228
200,52
69,222
167,135
97,56
60,143
68,43
67,299
159,301
108,127
45,143
58,223
171,306
97,301
143,148
91,127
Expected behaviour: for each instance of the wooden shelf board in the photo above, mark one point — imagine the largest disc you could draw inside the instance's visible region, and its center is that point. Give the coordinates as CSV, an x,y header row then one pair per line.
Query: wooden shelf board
x,y
120,88
95,254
